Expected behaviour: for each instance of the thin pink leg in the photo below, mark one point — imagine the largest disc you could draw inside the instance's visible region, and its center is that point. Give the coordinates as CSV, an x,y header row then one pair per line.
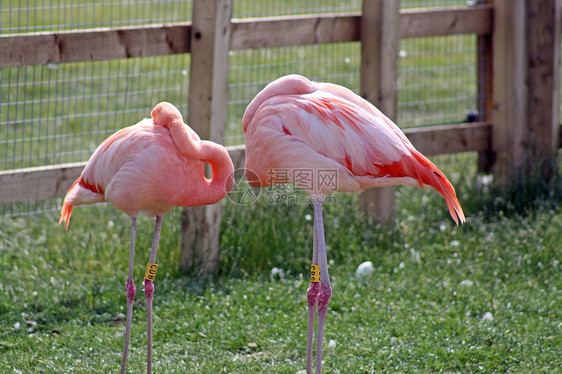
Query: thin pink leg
x,y
149,292
323,300
312,301
131,292
312,298
318,293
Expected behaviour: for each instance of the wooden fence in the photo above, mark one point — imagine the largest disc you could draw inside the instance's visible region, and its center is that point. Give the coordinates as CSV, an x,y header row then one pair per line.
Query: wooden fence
x,y
518,76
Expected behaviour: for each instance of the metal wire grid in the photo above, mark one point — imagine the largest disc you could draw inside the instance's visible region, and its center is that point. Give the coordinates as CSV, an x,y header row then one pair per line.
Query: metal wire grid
x,y
409,4
55,15
60,113
437,75
437,80
270,8
250,71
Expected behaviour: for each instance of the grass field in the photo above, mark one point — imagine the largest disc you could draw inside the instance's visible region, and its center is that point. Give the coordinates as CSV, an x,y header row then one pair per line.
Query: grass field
x,y
483,297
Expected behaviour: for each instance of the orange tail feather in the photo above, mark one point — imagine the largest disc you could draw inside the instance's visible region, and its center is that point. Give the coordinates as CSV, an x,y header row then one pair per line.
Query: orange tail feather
x,y
430,175
65,214
66,210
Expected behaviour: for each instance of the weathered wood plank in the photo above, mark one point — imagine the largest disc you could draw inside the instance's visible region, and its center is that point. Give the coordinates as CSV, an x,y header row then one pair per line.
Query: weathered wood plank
x,y
434,140
93,45
138,41
295,30
484,62
509,109
380,38
543,82
298,30
210,38
22,185
48,182
446,21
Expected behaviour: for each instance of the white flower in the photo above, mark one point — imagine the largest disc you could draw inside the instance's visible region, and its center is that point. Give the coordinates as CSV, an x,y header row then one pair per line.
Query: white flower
x,y
364,270
488,317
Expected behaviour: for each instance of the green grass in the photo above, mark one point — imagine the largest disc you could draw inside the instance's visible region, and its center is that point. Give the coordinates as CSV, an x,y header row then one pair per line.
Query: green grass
x,y
423,310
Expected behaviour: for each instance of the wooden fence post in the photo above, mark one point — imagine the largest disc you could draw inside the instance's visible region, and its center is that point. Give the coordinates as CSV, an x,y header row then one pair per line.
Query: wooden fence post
x,y
380,37
210,38
526,49
543,82
509,110
484,63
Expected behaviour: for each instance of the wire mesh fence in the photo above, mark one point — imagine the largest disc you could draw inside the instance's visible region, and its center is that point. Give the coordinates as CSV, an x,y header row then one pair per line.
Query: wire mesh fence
x,y
56,15
58,114
250,71
437,75
413,4
437,80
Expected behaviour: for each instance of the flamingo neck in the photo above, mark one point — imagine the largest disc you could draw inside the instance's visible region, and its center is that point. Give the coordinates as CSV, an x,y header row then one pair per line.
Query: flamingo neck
x,y
222,181
192,147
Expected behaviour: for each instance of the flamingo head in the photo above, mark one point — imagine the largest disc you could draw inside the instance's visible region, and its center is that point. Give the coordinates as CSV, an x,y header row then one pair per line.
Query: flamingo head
x,y
164,114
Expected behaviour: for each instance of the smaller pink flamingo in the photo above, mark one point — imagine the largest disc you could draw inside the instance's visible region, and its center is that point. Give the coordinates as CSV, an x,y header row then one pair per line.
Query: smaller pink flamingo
x,y
324,138
151,167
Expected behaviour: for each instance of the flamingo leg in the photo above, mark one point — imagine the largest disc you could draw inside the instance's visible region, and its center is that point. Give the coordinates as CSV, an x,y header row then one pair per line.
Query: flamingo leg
x,y
319,293
312,302
131,292
149,292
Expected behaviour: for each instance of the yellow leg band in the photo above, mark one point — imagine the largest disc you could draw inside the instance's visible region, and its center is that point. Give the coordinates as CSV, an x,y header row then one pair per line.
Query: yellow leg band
x,y
314,273
150,271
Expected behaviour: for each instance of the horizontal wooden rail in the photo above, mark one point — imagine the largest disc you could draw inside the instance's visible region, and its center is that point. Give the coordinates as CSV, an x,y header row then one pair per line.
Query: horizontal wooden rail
x,y
446,21
294,30
93,45
143,41
47,182
39,183
434,140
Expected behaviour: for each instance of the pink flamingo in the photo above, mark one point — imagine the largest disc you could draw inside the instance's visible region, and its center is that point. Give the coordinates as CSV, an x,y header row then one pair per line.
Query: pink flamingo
x,y
324,138
151,167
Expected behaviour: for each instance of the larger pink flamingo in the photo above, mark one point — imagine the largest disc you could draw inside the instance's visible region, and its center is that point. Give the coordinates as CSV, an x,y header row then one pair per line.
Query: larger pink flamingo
x,y
151,167
324,138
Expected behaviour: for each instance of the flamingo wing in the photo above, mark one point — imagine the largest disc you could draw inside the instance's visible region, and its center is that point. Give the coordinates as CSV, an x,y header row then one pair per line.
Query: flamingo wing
x,y
320,130
333,128
136,169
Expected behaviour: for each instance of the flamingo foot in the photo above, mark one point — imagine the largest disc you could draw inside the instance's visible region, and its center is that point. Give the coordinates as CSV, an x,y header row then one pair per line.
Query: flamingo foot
x,y
131,292
318,296
149,292
312,302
